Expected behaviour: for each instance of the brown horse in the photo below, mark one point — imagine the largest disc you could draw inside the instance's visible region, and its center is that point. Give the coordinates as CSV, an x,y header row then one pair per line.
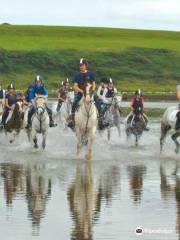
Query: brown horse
x,y
15,120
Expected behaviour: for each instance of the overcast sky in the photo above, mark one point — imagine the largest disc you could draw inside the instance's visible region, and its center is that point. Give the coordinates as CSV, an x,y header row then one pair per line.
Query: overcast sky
x,y
148,14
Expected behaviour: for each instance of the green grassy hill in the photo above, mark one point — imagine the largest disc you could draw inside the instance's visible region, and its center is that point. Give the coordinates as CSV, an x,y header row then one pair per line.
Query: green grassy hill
x,y
133,58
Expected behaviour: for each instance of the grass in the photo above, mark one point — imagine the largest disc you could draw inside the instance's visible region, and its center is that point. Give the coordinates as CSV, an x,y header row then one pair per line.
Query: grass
x,y
153,113
13,37
143,59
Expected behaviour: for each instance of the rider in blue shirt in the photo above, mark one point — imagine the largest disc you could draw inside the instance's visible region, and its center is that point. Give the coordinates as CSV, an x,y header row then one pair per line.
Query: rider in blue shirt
x,y
38,88
10,99
81,79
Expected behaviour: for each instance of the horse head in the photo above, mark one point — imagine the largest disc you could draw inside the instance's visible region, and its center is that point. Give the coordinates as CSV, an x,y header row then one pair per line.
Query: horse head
x,y
40,105
18,109
88,93
70,96
117,101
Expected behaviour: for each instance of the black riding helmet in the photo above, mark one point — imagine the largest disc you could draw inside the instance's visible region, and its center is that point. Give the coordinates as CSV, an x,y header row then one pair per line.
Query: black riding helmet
x,y
38,78
110,80
66,81
11,86
138,92
83,61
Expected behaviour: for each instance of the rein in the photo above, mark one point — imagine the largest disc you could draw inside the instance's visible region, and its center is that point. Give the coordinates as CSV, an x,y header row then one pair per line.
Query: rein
x,y
40,119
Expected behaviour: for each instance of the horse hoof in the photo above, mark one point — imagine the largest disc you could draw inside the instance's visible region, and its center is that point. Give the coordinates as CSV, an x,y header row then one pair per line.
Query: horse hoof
x,y
11,141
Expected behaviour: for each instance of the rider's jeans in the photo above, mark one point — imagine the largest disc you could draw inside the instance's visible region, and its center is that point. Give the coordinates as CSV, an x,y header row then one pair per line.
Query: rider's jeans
x,y
5,115
77,98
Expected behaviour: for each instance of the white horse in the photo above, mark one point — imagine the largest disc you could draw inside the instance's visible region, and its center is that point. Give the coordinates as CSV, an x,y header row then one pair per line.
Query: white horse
x,y
40,121
113,115
65,111
86,123
168,123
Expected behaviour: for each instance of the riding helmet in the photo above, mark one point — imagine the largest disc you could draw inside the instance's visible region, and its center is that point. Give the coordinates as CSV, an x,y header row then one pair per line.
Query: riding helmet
x,y
38,78
83,61
66,81
11,86
138,92
110,80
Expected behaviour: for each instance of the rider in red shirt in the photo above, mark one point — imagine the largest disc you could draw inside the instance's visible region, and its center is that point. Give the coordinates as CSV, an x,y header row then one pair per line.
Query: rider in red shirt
x,y
137,106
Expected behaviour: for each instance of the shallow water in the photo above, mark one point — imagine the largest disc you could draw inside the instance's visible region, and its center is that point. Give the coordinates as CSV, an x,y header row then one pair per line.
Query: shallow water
x,y
52,194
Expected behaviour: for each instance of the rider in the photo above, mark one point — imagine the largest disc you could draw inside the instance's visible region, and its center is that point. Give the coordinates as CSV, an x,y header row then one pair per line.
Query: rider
x,y
2,95
27,94
99,96
81,79
64,88
178,113
108,94
137,106
10,99
38,89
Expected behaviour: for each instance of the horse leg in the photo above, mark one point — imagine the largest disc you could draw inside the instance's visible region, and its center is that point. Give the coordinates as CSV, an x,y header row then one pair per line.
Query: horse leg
x,y
13,136
128,133
174,138
28,132
119,129
108,133
164,130
79,141
91,137
136,140
44,140
35,142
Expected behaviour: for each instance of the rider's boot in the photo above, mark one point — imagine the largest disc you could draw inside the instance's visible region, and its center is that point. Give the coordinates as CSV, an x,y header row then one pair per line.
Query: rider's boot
x,y
71,123
51,122
1,125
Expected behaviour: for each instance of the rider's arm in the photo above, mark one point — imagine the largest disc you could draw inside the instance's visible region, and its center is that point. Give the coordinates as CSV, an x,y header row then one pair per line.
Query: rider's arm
x,y
132,104
93,86
45,91
77,89
6,103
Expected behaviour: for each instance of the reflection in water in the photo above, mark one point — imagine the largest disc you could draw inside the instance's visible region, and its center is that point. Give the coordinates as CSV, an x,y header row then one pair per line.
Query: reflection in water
x,y
136,175
168,188
14,181
108,184
82,199
38,192
29,182
85,202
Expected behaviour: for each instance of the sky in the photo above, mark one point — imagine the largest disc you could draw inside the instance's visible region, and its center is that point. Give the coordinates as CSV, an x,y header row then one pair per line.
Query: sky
x,y
141,14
